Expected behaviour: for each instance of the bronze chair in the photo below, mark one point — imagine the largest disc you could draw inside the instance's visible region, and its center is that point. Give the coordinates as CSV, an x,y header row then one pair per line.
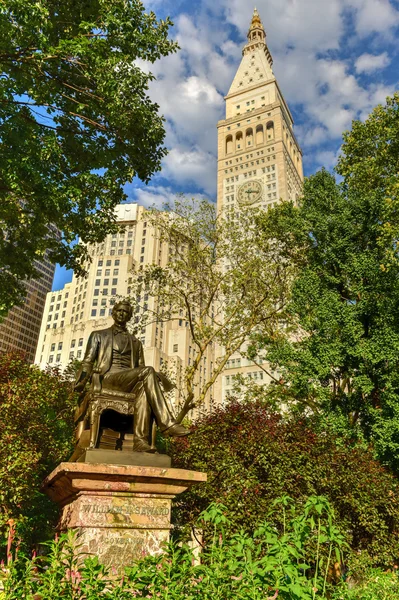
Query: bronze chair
x,y
93,403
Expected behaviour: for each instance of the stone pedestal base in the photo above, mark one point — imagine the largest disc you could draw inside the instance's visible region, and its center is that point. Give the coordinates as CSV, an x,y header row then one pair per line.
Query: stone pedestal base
x,y
121,512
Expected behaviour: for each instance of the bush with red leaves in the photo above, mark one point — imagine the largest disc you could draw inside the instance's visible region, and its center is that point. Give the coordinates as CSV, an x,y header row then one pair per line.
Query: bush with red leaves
x,y
253,457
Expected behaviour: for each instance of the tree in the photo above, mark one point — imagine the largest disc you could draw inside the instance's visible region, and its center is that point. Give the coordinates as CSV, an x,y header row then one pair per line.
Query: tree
x,y
76,124
223,277
341,353
36,433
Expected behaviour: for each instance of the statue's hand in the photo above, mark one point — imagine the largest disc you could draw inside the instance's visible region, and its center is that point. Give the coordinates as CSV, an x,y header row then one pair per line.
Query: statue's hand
x,y
81,384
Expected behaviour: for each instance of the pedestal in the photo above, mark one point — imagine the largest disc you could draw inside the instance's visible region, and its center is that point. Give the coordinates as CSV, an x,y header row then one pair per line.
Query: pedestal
x,y
121,513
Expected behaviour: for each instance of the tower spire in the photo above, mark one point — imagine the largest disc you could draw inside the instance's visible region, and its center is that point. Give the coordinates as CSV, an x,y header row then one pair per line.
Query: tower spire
x,y
257,37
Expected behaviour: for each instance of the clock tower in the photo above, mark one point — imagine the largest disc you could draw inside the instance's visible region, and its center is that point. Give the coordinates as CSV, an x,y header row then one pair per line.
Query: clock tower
x,y
259,159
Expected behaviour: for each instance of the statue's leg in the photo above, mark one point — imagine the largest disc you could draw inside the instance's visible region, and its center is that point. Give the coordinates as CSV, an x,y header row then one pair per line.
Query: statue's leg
x,y
142,418
156,399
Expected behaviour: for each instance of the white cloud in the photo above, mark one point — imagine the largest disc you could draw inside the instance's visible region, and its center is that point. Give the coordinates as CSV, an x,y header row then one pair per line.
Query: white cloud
x,y
367,63
327,158
158,196
193,166
374,15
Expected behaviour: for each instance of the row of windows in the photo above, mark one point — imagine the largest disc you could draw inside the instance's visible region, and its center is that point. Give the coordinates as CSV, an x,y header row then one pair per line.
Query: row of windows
x,y
250,139
108,262
101,312
106,281
104,292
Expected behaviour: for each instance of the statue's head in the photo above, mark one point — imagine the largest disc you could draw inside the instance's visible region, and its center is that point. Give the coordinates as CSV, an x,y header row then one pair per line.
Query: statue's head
x,y
122,312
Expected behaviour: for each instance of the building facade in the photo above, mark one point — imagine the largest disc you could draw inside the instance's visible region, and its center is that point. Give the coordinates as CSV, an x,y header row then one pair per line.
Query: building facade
x,y
21,328
85,304
259,158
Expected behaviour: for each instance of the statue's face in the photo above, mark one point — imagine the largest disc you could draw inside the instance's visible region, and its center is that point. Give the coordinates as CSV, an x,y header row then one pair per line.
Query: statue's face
x,y
122,314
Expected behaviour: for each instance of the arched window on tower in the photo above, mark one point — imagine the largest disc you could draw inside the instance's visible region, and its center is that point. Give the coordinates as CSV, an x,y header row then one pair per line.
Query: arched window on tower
x,y
270,130
259,135
239,140
229,144
249,137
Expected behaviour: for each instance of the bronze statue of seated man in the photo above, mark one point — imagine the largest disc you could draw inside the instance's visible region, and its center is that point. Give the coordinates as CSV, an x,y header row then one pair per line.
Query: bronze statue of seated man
x,y
114,360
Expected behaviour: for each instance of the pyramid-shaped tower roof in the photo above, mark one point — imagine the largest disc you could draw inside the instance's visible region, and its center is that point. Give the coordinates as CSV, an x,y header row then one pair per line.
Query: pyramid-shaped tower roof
x,y
257,63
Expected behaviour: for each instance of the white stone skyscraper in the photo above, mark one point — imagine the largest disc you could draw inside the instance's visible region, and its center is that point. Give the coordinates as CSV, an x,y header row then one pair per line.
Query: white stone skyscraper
x,y
259,158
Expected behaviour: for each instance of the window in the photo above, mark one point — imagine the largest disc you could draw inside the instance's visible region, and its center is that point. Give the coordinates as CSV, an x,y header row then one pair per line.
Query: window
x,y
180,322
100,263
103,302
80,341
117,263
98,282
99,271
120,252
59,345
97,292
105,292
58,358
108,263
95,302
107,272
73,343
71,355
52,347
115,281
102,312
141,259
94,312
116,271
106,281
51,359
79,354
113,292
113,244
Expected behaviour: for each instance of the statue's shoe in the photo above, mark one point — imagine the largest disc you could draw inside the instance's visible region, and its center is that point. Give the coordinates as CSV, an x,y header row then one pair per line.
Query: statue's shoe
x,y
176,430
142,446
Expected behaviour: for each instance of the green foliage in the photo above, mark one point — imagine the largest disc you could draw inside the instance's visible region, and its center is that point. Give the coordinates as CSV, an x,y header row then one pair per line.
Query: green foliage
x,y
242,566
35,435
374,585
76,124
252,457
339,352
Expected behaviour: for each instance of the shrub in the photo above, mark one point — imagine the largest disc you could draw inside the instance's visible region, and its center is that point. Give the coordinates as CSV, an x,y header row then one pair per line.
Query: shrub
x,y
35,435
252,457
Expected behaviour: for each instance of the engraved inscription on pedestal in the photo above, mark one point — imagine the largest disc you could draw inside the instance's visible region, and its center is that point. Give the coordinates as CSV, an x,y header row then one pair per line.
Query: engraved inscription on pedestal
x,y
114,511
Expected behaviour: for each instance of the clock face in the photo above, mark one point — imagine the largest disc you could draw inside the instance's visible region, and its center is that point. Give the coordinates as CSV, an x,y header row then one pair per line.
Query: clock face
x,y
249,193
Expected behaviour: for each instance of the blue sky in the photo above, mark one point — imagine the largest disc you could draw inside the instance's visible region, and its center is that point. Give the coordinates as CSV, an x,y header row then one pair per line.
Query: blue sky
x,y
334,60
